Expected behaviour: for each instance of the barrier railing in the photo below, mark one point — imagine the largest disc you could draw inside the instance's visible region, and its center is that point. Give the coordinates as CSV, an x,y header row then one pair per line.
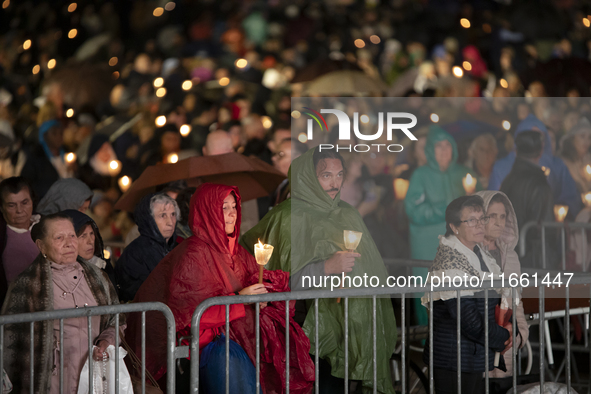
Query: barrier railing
x,y
89,312
563,226
403,293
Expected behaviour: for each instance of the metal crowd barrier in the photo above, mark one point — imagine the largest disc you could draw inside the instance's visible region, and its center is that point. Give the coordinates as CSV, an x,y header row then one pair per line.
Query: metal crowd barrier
x,y
174,352
88,312
575,226
374,293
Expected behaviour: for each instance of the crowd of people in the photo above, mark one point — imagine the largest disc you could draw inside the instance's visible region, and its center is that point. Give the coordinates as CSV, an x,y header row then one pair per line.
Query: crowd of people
x,y
92,93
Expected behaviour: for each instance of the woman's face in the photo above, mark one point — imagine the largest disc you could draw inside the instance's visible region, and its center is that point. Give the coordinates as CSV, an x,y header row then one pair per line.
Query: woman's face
x,y
498,218
230,213
60,245
165,218
470,236
443,154
86,243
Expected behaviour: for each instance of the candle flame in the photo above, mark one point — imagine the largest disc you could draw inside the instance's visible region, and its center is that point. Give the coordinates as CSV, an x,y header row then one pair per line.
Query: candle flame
x,y
469,179
588,169
560,212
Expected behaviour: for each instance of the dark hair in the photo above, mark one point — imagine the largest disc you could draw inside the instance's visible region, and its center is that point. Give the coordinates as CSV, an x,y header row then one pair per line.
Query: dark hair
x,y
327,154
529,144
14,185
453,212
183,200
39,231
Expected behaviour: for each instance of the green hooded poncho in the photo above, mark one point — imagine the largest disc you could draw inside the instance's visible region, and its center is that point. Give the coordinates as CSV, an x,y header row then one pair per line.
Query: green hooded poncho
x,y
429,193
308,228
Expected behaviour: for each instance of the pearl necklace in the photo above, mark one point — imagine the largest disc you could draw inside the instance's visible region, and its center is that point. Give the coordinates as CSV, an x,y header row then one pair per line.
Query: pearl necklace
x,y
105,373
104,378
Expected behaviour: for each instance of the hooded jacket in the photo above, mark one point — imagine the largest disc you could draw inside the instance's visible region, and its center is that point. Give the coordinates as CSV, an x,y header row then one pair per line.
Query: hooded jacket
x,y
307,229
208,265
429,192
142,255
511,267
80,220
564,188
69,193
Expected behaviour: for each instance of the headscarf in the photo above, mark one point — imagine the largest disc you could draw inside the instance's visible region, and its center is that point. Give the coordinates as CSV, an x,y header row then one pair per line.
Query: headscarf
x,y
43,129
68,193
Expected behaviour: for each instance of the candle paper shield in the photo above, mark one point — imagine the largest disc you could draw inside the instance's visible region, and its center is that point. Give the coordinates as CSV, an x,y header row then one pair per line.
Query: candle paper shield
x,y
352,239
262,253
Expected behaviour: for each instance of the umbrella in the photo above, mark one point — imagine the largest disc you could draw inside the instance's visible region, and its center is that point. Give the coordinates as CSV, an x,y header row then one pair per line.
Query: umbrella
x,y
321,67
344,83
254,177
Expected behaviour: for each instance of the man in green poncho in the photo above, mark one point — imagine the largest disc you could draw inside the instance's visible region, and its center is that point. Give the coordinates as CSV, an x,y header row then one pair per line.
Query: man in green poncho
x,y
307,233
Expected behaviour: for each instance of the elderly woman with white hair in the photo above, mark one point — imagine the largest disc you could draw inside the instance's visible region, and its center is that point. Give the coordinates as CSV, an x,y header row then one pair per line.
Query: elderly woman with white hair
x,y
156,216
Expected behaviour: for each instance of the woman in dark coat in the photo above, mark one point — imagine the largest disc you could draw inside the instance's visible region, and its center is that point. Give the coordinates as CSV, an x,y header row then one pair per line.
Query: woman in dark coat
x,y
155,216
90,243
459,255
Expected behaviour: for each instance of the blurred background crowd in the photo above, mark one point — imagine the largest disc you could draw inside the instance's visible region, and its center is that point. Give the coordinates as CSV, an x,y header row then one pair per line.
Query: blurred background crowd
x,y
100,90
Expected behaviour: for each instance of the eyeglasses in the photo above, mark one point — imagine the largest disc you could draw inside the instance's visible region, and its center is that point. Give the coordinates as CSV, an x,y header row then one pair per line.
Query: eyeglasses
x,y
473,222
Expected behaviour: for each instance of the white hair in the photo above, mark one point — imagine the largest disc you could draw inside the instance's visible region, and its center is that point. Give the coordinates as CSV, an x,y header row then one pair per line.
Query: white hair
x,y
163,198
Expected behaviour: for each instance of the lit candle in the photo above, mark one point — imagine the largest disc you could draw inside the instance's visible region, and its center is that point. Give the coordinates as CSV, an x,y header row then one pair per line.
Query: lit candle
x,y
114,167
70,157
106,253
400,188
172,158
352,239
469,183
560,212
588,172
546,170
262,254
124,183
586,199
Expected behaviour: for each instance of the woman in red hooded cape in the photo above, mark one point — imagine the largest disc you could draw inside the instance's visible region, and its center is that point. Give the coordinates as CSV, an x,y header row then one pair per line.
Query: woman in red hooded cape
x,y
211,263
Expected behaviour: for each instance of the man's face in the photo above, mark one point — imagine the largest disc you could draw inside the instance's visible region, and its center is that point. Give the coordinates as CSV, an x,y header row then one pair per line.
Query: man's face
x,y
330,174
18,208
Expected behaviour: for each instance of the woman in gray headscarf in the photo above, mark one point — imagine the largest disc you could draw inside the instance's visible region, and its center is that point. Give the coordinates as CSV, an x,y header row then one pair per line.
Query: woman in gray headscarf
x,y
69,193
500,239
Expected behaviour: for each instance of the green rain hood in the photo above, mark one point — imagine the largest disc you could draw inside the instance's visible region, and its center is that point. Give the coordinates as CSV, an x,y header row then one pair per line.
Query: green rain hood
x,y
308,228
429,193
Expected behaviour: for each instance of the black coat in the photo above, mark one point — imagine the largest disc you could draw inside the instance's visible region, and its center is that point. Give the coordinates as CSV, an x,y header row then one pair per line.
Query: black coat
x,y
39,171
532,198
142,255
529,192
472,334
